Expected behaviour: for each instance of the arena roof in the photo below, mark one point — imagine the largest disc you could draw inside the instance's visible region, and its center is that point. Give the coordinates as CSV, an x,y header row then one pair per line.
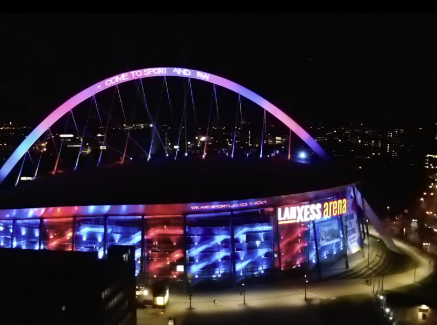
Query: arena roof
x,y
182,181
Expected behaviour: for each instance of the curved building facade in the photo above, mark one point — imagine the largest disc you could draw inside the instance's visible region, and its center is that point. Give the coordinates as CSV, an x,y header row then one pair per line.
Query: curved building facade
x,y
214,241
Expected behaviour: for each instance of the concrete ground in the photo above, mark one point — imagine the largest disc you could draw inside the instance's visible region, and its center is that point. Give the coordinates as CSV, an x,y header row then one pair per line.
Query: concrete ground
x,y
283,301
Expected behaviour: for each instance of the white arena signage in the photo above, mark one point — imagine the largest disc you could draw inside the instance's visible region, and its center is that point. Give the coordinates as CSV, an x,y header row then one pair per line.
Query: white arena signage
x,y
310,212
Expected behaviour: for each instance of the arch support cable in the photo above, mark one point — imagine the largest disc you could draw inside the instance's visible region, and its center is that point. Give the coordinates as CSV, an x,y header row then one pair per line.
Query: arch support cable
x,y
182,123
98,112
125,121
40,157
185,114
169,102
289,145
106,130
262,136
74,121
83,136
207,128
37,166
21,169
218,116
151,119
192,101
130,127
235,128
55,169
155,122
53,140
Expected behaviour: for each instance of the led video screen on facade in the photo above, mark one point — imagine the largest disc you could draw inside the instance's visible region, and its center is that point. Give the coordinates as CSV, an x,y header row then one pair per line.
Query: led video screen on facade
x,y
330,240
329,232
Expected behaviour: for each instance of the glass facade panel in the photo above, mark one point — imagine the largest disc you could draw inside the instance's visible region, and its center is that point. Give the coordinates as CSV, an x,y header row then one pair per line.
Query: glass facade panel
x,y
164,251
126,231
5,233
208,239
253,243
330,240
58,234
293,243
312,247
90,235
26,234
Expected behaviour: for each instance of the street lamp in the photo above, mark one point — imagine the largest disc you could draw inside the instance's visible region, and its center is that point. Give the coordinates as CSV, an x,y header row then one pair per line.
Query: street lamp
x,y
306,281
244,293
421,199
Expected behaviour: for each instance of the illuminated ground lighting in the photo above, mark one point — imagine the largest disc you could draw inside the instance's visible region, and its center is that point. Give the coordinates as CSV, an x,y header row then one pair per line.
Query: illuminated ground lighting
x,y
154,72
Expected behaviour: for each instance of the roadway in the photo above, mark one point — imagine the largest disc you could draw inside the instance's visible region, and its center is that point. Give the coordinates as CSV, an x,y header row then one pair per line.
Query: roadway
x,y
277,302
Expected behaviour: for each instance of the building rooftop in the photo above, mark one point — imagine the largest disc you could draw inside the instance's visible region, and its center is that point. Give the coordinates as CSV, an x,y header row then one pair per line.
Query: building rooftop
x,y
182,181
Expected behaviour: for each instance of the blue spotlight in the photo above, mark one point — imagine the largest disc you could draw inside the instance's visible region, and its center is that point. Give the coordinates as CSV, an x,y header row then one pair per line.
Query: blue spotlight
x,y
302,154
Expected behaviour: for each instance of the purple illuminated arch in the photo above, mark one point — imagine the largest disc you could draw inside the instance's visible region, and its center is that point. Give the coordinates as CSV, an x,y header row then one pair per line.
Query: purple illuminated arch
x,y
155,72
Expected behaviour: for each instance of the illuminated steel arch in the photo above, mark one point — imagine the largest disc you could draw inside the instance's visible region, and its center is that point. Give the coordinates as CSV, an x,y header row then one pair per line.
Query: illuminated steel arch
x,y
155,72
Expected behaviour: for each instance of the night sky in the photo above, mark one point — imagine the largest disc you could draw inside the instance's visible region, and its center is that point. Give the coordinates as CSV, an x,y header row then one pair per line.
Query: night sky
x,y
316,67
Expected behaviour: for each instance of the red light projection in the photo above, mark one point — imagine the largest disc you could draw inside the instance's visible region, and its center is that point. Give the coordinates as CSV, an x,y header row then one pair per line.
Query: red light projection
x,y
58,234
163,246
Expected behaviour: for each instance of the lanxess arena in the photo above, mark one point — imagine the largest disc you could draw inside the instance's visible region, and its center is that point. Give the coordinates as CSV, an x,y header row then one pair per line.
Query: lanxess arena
x,y
221,220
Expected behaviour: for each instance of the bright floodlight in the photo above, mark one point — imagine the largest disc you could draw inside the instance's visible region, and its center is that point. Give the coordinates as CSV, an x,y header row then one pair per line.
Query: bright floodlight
x,y
302,155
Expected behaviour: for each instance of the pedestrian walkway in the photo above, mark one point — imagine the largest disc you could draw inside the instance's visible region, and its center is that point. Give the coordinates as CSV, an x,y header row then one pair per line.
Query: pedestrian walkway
x,y
274,302
382,262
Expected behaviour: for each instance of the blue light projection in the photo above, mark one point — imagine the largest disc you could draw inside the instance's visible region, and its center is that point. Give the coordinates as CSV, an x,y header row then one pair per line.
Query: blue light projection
x,y
126,231
5,233
208,245
253,242
26,234
90,235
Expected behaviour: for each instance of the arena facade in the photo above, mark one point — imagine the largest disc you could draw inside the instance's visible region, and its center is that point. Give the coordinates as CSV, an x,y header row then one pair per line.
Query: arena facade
x,y
209,241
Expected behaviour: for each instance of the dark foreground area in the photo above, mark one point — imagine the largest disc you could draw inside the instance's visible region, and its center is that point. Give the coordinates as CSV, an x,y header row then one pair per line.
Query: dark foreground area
x,y
346,310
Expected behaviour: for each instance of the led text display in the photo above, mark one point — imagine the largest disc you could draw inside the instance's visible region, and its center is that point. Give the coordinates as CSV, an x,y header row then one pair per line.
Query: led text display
x,y
310,212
